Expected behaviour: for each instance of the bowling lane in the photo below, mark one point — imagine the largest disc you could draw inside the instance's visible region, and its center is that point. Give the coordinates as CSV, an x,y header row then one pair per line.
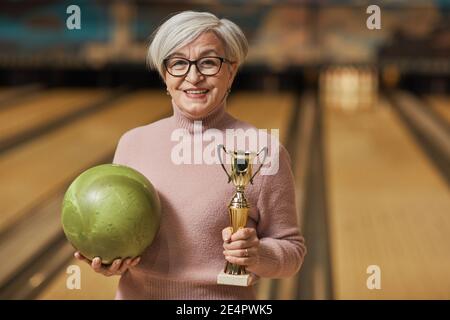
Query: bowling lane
x,y
14,92
7,92
93,286
44,109
276,110
388,207
441,105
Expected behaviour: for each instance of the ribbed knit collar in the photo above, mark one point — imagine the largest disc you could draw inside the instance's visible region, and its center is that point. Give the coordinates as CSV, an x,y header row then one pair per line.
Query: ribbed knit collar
x,y
215,119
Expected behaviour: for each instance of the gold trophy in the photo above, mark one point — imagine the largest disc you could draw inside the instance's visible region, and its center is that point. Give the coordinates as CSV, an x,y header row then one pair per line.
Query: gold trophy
x,y
241,176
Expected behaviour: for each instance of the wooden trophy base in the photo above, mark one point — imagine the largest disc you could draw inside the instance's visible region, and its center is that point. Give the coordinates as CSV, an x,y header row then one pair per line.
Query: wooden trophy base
x,y
242,280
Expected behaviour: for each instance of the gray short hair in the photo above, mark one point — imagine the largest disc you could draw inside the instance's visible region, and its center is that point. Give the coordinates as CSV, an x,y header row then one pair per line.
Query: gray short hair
x,y
185,27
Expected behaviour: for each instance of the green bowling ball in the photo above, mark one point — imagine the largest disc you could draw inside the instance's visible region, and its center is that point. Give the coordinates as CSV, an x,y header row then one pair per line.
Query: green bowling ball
x,y
111,211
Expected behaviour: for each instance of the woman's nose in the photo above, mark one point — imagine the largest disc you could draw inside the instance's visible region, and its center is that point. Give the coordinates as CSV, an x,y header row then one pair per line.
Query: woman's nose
x,y
194,76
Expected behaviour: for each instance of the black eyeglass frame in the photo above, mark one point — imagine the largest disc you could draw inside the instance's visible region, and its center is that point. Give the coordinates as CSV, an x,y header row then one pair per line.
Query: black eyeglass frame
x,y
191,62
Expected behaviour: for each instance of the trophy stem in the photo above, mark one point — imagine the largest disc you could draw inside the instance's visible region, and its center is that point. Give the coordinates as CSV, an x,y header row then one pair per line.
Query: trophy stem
x,y
234,269
238,212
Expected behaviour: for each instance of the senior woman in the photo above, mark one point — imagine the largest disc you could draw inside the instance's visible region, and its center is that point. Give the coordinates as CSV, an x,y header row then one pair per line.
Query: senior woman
x,y
197,56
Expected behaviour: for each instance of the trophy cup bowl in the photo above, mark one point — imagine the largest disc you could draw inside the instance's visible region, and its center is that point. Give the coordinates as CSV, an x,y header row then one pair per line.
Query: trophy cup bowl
x,y
238,208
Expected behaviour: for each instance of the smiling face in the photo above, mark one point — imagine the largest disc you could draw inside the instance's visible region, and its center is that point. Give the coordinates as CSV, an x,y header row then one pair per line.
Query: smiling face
x,y
196,94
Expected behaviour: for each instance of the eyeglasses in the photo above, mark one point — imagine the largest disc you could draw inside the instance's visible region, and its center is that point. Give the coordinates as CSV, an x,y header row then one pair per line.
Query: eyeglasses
x,y
207,66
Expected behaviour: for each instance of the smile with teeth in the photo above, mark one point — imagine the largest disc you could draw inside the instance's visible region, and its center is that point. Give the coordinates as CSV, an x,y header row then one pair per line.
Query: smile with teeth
x,y
196,91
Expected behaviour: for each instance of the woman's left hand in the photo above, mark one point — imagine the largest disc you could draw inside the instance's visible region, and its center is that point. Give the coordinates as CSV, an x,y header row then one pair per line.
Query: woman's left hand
x,y
241,247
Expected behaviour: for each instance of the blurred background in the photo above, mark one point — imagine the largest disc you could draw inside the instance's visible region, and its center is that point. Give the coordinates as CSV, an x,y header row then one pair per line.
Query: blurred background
x,y
364,113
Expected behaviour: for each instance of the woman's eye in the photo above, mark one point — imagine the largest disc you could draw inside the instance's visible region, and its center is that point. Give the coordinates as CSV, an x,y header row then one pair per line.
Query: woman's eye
x,y
178,63
208,63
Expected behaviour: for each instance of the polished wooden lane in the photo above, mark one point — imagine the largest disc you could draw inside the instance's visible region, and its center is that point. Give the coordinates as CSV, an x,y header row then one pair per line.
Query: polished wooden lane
x,y
388,206
11,94
93,286
441,105
44,109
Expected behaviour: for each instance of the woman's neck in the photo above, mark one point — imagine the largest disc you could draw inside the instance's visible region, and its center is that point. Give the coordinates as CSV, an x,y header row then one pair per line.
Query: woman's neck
x,y
213,119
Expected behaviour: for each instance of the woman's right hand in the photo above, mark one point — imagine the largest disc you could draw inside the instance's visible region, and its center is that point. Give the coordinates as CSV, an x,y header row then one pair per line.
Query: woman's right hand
x,y
117,268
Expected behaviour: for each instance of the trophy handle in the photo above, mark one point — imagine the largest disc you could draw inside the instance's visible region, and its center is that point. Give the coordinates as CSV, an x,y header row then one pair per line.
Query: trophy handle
x,y
265,149
219,147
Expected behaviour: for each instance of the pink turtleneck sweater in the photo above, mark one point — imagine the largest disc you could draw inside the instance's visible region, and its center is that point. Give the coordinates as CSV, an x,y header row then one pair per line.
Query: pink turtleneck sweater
x,y
186,256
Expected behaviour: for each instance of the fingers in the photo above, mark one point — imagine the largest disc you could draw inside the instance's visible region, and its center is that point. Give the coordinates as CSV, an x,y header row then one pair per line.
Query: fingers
x,y
249,252
242,239
242,247
118,267
115,266
226,234
106,271
125,265
241,244
79,256
135,261
243,234
244,257
96,264
128,263
247,261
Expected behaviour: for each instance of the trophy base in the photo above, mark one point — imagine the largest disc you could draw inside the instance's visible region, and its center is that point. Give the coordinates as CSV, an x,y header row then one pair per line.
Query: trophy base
x,y
242,280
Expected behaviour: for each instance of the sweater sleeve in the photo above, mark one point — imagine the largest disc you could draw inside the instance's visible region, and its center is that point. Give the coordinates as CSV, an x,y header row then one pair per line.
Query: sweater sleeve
x,y
282,247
